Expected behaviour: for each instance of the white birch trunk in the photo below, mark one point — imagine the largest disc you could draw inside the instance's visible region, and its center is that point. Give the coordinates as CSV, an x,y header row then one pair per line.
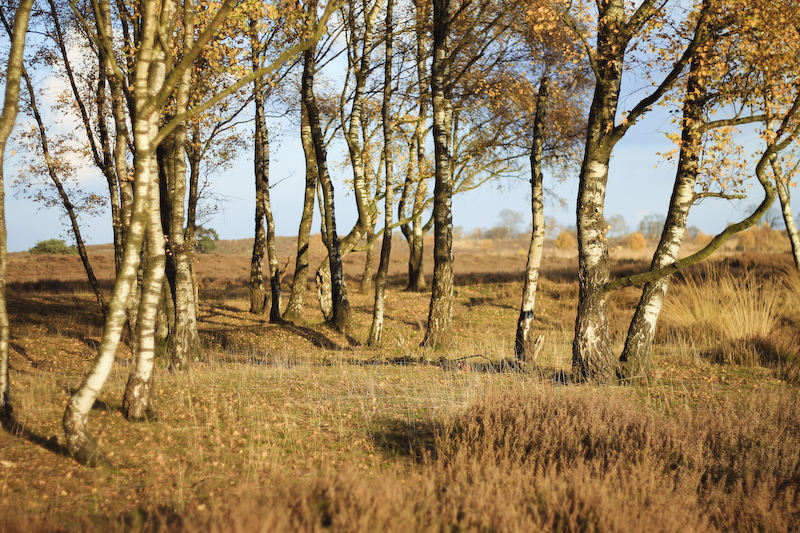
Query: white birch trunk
x,y
525,346
7,119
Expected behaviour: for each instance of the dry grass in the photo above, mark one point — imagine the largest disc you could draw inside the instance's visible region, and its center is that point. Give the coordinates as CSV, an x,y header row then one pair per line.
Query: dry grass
x,y
300,429
732,313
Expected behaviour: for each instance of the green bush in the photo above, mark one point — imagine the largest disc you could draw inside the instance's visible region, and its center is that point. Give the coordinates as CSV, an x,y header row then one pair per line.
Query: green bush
x,y
205,240
53,246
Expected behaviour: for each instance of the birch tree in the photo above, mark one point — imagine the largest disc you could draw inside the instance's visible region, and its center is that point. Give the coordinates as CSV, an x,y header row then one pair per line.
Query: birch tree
x,y
14,66
718,79
592,358
376,330
152,88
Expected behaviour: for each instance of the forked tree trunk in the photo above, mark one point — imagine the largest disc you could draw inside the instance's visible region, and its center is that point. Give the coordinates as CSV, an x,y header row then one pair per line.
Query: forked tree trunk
x,y
364,204
340,306
7,120
440,314
524,345
416,178
294,309
148,78
376,331
184,337
137,400
591,352
636,355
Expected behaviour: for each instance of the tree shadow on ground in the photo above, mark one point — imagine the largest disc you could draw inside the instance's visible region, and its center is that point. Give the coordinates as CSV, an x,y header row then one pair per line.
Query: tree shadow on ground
x,y
413,440
20,430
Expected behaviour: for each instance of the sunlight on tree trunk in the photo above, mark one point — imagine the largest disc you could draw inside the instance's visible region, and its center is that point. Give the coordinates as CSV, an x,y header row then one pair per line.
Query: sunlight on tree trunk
x,y
376,331
440,315
294,309
525,346
8,118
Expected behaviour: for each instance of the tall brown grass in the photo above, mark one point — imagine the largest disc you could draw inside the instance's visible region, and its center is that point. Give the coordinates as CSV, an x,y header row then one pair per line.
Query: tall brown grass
x,y
736,317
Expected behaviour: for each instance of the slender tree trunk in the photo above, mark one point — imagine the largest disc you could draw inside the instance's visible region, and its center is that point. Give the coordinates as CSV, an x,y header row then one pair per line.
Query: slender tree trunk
x,y
62,193
272,254
786,209
524,347
364,204
416,179
137,400
7,119
369,263
340,315
258,296
119,110
376,330
294,309
103,157
635,358
440,315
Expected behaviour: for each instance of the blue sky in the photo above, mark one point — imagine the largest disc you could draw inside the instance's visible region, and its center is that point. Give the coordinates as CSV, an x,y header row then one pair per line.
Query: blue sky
x,y
639,184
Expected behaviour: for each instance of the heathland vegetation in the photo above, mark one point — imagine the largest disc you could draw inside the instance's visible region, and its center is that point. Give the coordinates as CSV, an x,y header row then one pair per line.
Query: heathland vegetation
x,y
545,381
298,427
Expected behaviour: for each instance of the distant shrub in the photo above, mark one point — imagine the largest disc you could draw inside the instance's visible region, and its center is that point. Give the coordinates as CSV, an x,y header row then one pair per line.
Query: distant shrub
x,y
565,241
636,241
53,246
761,238
205,240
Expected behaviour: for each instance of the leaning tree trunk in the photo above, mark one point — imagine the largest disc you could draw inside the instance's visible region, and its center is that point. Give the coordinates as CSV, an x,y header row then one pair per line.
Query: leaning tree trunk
x,y
148,78
635,358
7,120
62,193
786,208
137,400
525,344
440,314
272,254
294,309
386,246
340,315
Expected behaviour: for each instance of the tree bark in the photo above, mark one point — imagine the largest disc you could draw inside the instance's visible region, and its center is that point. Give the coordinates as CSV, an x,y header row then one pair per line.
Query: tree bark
x,y
258,295
440,315
7,119
376,331
636,355
137,400
784,196
369,263
148,79
524,345
591,351
340,312
294,309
